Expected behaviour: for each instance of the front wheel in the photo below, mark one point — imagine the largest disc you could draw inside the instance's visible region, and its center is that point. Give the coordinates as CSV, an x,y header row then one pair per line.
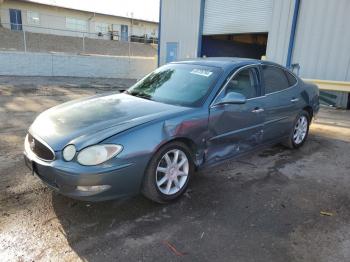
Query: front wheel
x,y
300,130
168,173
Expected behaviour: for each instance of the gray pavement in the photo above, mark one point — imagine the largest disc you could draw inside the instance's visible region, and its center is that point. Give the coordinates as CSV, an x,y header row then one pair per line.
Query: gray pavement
x,y
268,206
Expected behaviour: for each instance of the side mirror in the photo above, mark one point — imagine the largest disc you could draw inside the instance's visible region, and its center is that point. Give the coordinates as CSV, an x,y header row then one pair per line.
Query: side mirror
x,y
232,98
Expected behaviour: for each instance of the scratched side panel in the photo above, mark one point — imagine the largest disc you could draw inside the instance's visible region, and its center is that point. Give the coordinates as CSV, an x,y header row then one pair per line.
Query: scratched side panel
x,y
234,129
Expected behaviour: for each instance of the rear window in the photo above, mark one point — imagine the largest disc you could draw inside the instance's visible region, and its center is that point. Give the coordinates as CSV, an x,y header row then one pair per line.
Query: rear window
x,y
274,79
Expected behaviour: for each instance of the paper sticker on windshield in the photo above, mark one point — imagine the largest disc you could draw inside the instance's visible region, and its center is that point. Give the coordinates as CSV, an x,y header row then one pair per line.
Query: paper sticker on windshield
x,y
201,72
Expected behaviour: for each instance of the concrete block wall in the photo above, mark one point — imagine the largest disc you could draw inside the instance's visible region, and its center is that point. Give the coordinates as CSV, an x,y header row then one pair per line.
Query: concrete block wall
x,y
46,64
12,40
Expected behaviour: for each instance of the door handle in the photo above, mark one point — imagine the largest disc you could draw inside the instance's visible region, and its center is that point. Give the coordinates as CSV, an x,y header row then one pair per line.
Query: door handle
x,y
258,110
294,100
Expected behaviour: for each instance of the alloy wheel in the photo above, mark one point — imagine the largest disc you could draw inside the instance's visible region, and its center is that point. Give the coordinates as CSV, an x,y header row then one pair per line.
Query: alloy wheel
x,y
172,172
300,130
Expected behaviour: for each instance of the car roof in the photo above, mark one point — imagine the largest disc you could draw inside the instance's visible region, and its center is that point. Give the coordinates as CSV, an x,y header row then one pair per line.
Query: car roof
x,y
223,62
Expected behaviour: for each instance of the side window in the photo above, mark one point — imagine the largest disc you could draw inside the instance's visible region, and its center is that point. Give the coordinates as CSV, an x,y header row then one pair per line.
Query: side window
x,y
274,79
244,83
291,79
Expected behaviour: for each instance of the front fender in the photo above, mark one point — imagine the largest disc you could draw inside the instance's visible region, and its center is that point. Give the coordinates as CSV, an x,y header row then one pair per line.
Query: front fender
x,y
140,143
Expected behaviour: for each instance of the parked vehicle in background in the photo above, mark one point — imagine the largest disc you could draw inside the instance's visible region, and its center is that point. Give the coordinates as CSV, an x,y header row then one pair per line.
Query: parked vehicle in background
x,y
179,118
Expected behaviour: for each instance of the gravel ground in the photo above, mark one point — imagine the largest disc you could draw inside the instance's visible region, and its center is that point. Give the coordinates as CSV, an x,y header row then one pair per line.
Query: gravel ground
x,y
263,207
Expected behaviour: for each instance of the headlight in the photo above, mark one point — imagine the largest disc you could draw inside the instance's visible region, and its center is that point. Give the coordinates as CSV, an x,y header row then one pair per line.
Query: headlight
x,y
98,154
69,152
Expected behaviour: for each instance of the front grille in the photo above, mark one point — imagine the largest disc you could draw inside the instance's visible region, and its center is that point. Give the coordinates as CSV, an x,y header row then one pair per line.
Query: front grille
x,y
40,149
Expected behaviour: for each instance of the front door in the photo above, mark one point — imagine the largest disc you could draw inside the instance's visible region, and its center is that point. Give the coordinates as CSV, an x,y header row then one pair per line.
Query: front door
x,y
236,128
124,32
16,19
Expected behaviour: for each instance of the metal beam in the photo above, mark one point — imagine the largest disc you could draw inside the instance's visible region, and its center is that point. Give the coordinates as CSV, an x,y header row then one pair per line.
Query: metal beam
x,y
292,33
159,30
200,31
331,85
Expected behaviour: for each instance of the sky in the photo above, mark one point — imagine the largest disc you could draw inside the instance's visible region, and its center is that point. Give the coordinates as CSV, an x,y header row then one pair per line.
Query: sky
x,y
141,9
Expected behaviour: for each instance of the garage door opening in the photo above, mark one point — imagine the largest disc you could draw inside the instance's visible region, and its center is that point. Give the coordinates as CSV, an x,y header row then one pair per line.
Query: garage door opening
x,y
252,45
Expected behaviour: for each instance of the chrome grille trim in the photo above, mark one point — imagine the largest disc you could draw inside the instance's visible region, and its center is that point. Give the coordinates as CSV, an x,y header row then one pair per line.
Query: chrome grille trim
x,y
43,144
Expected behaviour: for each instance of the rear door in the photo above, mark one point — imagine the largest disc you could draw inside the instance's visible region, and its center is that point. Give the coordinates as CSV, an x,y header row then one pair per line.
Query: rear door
x,y
236,128
281,102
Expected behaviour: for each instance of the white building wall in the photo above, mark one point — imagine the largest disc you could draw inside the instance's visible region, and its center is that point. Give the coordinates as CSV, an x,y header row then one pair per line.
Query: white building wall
x,y
144,29
53,20
180,23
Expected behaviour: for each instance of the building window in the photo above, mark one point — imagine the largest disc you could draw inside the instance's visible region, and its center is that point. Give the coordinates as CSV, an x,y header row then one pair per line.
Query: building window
x,y
33,18
101,28
76,24
16,19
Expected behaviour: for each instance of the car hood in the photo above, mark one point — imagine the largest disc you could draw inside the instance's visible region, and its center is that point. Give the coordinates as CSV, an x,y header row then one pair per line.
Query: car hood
x,y
88,121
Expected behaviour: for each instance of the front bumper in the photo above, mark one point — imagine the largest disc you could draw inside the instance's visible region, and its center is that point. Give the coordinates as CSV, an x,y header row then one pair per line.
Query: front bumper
x,y
64,177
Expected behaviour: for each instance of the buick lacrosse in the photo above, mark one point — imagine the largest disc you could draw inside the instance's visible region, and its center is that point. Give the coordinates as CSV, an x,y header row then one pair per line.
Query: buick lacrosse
x,y
182,117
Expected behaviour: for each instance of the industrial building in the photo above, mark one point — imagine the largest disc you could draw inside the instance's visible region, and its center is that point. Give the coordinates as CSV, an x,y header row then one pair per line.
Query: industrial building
x,y
35,17
311,37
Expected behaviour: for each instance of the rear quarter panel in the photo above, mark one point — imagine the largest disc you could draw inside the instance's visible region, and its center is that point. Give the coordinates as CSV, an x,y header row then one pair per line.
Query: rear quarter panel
x,y
313,94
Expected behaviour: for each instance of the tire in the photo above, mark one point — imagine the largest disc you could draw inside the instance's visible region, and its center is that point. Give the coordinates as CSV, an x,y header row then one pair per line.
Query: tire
x,y
293,142
160,173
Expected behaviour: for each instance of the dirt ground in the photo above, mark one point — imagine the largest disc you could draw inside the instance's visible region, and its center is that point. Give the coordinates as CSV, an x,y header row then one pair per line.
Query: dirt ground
x,y
267,206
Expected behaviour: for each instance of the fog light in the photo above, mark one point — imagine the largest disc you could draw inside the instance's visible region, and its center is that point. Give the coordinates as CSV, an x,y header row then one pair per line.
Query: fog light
x,y
99,188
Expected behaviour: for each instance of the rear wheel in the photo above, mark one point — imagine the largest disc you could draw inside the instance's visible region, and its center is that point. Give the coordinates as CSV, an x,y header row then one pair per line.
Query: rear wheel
x,y
168,173
300,131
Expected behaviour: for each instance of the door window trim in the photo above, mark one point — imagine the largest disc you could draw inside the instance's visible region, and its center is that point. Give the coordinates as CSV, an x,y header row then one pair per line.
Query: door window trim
x,y
256,66
283,69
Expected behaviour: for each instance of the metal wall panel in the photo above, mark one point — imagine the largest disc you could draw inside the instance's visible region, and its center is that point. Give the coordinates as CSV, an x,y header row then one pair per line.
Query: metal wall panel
x,y
278,38
180,24
322,45
237,16
322,40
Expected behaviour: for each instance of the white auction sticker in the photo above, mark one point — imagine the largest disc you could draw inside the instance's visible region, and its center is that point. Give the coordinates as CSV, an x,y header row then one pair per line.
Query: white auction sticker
x,y
201,72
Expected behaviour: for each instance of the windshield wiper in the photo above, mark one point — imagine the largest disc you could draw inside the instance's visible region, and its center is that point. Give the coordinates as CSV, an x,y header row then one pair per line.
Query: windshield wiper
x,y
141,95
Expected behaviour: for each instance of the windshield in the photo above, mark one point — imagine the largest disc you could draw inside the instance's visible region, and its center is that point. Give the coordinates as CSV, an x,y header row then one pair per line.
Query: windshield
x,y
178,84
